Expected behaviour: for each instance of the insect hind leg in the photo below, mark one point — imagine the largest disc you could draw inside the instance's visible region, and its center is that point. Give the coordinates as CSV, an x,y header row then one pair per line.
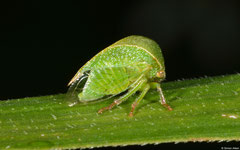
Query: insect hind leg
x,y
140,97
133,89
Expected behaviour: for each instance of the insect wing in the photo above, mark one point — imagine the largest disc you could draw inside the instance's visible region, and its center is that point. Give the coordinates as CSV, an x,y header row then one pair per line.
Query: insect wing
x,y
75,88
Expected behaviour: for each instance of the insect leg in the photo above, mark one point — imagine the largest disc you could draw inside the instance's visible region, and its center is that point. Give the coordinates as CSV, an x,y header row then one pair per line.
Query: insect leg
x,y
162,100
137,85
140,97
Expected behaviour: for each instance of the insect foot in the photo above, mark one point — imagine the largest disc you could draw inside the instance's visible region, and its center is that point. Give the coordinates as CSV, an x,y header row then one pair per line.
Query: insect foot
x,y
168,107
132,110
108,107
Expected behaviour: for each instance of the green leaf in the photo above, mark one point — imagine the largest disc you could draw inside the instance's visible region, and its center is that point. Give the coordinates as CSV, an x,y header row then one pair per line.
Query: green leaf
x,y
205,109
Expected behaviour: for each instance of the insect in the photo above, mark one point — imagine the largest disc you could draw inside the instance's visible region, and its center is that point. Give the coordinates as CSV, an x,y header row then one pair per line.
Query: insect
x,y
132,64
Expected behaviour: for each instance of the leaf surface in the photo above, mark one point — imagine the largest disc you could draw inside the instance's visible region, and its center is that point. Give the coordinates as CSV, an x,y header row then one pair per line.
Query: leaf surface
x,y
205,109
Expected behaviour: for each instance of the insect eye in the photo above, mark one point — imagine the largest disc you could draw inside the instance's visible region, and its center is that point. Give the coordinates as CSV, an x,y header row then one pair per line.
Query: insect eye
x,y
161,74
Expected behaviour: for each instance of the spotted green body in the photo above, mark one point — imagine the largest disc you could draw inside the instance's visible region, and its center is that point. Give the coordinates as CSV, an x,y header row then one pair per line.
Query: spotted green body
x,y
132,64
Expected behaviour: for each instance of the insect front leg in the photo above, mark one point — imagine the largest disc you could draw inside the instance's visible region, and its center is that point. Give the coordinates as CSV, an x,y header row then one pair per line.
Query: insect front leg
x,y
133,89
157,86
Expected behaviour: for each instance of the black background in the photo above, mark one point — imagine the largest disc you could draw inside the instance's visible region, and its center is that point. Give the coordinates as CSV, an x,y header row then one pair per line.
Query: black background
x,y
44,43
